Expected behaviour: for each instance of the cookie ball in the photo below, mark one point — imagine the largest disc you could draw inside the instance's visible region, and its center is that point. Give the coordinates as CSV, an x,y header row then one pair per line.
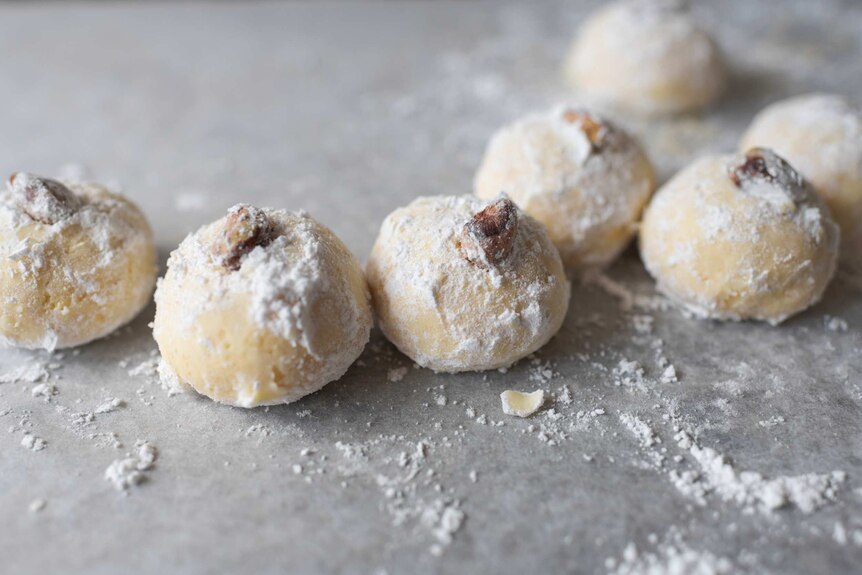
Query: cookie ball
x,y
260,307
646,56
821,136
462,285
740,237
77,262
584,178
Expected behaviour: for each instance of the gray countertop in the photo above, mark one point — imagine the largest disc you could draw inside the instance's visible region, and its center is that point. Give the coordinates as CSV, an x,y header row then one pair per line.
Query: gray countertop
x,y
350,110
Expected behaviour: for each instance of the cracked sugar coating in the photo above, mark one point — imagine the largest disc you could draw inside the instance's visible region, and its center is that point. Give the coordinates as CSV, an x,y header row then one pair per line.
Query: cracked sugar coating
x,y
646,56
820,135
261,307
740,237
583,177
453,296
76,262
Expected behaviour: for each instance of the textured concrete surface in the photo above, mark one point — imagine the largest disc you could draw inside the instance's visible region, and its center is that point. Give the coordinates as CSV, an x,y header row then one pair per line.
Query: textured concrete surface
x,y
348,111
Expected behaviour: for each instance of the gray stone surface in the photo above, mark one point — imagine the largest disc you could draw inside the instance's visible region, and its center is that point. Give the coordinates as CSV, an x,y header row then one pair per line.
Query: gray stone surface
x,y
350,110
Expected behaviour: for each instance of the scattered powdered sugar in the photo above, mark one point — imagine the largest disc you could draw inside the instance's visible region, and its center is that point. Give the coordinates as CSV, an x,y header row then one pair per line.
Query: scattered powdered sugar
x,y
630,374
669,375
640,429
835,324
672,557
841,535
29,372
155,370
45,390
750,490
124,473
109,405
444,520
33,443
773,421
396,374
131,470
169,380
404,481
147,455
628,299
147,368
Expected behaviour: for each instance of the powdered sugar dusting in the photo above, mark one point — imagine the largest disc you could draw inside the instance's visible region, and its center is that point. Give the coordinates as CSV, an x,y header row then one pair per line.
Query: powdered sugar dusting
x,y
34,239
416,256
589,195
280,283
715,201
282,278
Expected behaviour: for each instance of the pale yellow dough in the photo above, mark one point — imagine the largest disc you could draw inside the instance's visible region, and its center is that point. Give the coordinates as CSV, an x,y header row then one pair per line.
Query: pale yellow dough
x,y
646,56
588,195
821,135
765,250
68,282
451,314
292,318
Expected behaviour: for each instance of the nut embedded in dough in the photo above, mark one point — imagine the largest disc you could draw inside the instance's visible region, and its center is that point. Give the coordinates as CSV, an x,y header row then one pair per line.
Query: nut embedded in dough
x,y
583,177
592,127
760,169
260,307
46,201
821,136
740,237
461,285
78,261
489,236
245,228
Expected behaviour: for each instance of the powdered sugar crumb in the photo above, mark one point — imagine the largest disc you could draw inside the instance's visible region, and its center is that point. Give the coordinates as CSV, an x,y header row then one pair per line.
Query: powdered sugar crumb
x,y
109,405
37,505
33,443
30,372
673,557
751,490
396,374
131,471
